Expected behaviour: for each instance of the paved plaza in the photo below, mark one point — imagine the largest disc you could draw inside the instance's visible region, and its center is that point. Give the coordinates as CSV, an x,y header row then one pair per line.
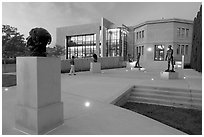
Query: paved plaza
x,y
87,101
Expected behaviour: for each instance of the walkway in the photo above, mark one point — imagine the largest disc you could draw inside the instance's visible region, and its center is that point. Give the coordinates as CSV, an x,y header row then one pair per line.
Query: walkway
x,y
87,108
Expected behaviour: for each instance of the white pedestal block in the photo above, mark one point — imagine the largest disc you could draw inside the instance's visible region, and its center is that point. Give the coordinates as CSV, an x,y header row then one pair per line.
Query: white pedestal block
x,y
95,67
39,108
169,75
130,64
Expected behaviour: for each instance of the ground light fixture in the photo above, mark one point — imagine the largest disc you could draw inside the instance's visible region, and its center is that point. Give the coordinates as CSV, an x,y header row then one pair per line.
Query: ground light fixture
x,y
6,89
152,79
87,104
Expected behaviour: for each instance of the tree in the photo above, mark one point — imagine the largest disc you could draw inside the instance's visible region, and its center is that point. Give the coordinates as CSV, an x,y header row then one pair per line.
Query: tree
x,y
196,53
13,43
56,51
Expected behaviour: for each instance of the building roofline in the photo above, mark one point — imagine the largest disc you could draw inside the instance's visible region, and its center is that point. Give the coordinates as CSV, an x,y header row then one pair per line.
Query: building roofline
x,y
163,21
71,26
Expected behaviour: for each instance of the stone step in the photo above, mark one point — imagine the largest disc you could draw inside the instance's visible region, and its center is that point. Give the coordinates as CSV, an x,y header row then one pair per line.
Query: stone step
x,y
166,96
169,92
160,101
167,89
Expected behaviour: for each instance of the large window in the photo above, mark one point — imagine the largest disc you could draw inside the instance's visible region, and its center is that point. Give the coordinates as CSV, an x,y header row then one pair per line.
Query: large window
x,y
81,46
159,52
187,32
178,50
116,42
181,32
182,50
186,50
178,32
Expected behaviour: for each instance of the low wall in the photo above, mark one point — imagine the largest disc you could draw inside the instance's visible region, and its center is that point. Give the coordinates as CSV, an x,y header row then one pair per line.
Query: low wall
x,y
80,64
84,64
8,68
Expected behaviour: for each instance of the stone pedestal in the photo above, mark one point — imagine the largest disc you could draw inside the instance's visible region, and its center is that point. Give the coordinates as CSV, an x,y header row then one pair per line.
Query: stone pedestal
x,y
169,75
95,67
39,108
130,64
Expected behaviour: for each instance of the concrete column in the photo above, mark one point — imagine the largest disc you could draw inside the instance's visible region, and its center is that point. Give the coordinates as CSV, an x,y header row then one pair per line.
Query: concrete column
x,y
66,53
182,62
39,108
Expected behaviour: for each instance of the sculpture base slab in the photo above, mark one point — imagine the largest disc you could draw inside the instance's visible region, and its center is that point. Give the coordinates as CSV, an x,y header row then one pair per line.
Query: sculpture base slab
x,y
138,69
130,64
169,75
37,121
95,67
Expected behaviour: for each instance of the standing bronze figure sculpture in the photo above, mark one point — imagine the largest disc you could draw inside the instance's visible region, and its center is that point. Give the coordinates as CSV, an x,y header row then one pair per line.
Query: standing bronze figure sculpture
x,y
37,41
170,59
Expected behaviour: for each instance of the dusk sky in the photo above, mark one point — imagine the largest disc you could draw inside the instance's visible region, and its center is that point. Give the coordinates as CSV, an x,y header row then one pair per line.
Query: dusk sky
x,y
50,15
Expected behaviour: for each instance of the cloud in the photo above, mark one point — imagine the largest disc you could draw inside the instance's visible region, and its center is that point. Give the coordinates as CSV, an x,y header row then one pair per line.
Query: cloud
x,y
50,15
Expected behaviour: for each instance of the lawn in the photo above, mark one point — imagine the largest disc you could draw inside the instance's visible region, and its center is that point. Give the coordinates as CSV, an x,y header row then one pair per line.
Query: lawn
x,y
186,120
8,80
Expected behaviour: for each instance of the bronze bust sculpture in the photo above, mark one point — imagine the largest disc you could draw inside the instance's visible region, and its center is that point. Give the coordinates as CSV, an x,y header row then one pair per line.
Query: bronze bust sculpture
x,y
170,59
37,41
95,57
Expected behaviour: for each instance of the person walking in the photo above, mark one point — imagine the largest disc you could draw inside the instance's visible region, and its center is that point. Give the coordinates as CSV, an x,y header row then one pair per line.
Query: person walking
x,y
137,64
72,70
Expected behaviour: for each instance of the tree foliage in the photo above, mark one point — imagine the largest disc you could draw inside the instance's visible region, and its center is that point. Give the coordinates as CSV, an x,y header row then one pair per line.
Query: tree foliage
x,y
13,43
196,53
56,51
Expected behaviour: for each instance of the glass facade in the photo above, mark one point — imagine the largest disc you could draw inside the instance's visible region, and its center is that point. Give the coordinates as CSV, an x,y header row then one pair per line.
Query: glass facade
x,y
80,46
159,53
116,43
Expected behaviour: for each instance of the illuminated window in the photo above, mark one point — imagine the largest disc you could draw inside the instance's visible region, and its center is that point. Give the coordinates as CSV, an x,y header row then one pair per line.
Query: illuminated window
x,y
81,46
159,52
114,41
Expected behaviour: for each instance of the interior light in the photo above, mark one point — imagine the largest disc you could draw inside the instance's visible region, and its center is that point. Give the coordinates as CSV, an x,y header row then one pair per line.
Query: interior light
x,y
87,104
149,49
184,77
6,89
152,79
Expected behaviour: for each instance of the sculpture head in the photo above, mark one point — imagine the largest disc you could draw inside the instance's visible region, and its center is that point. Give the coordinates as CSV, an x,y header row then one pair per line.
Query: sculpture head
x,y
95,57
37,41
169,46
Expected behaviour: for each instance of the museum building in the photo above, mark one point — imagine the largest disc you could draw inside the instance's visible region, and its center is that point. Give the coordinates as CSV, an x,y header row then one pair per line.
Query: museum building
x,y
151,39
